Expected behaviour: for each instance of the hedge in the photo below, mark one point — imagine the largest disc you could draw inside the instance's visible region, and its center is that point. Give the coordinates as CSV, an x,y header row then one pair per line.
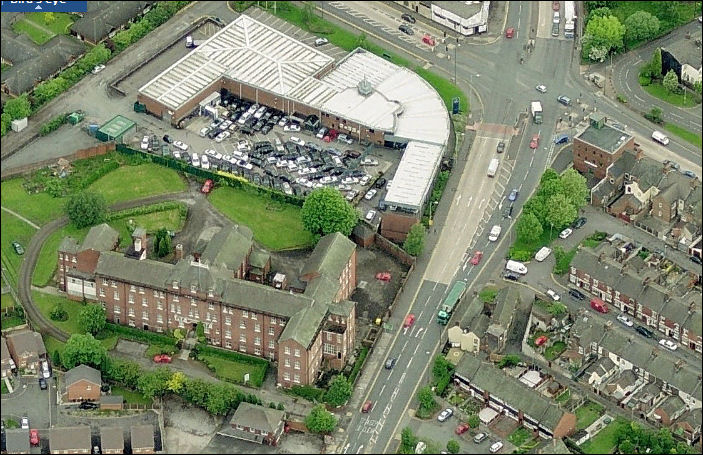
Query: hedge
x,y
308,392
201,348
358,364
140,335
53,124
146,209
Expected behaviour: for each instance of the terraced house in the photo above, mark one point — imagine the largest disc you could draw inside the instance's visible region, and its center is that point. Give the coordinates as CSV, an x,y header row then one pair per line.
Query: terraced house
x,y
302,332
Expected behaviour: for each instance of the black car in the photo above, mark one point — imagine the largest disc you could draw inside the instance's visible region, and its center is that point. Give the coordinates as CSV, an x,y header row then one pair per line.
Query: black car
x,y
501,147
697,260
511,276
579,223
42,384
407,17
87,405
406,29
357,173
246,130
644,331
508,211
213,133
167,138
390,363
380,183
258,126
575,293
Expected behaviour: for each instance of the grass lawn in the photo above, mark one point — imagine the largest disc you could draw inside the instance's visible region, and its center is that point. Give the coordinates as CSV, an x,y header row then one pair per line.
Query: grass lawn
x,y
39,208
587,413
555,350
155,349
135,182
131,396
229,370
46,262
604,441
658,91
564,396
35,26
13,230
520,436
684,134
47,302
52,344
548,235
152,222
563,260
11,321
3,388
7,301
276,226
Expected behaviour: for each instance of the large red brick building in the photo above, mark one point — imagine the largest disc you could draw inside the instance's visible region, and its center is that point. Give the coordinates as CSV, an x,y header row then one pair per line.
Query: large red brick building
x,y
599,145
302,332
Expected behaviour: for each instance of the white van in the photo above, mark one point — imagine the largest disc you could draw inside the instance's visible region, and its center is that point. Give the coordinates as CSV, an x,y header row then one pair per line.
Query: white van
x,y
204,162
517,267
495,233
195,160
542,254
660,137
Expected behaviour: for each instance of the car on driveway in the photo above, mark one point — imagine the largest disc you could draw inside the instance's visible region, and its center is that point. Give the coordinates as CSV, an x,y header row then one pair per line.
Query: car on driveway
x,y
565,233
578,295
444,415
513,195
406,29
162,358
34,437
409,320
579,223
477,257
462,428
534,142
551,293
390,363
625,320
407,17
512,276
668,344
541,88
19,249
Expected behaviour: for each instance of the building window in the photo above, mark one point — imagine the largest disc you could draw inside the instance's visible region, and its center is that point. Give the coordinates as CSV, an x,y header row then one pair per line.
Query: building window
x,y
132,288
130,298
257,341
296,378
253,316
210,293
117,310
175,298
193,302
257,327
210,307
257,351
273,321
73,259
228,320
286,363
286,376
242,325
141,290
228,344
296,365
228,334
144,301
102,292
242,348
113,284
159,306
271,344
272,355
193,289
159,319
145,315
245,314
271,331
116,295
131,312
175,285
286,350
297,352
242,338
61,256
156,293
329,349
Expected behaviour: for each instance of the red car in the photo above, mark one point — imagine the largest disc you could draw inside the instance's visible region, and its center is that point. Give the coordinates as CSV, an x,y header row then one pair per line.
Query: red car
x,y
368,406
34,437
207,186
462,428
534,143
510,32
162,358
383,276
427,39
555,6
409,320
477,257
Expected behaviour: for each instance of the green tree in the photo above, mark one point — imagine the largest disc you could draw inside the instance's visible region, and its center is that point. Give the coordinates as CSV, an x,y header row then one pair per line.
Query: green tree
x,y
408,440
125,372
626,446
602,11
441,367
83,350
656,64
426,398
339,391
307,15
474,421
671,14
605,31
86,209
195,391
671,82
18,108
58,313
557,309
56,358
221,398
640,26
453,446
154,383
574,187
175,384
49,17
536,205
162,243
326,211
91,318
509,360
598,53
561,212
319,420
654,115
529,229
415,241
697,87
362,41
549,188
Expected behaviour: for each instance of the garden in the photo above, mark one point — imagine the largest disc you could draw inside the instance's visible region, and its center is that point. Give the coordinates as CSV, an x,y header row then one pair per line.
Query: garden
x,y
41,27
588,413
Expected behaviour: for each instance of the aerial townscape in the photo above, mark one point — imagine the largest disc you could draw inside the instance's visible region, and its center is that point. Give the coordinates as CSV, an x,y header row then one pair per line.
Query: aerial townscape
x,y
352,227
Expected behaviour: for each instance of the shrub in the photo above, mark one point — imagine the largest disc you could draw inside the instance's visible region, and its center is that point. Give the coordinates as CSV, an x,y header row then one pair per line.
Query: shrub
x,y
358,364
58,313
308,392
621,98
140,335
520,255
644,80
53,124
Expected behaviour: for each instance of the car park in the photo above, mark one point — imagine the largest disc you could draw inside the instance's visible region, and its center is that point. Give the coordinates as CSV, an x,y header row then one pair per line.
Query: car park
x,y
368,162
534,142
554,296
513,195
370,194
409,320
296,140
222,136
444,415
407,17
406,29
565,100
19,249
180,145
390,363
379,183
579,223
625,320
346,139
670,345
476,258
321,132
204,162
578,295
565,233
541,88
644,331
479,438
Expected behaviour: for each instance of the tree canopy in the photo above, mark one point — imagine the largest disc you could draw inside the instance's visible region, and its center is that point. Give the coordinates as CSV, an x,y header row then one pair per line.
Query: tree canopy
x,y
671,82
574,187
319,420
640,26
84,350
339,391
561,211
91,318
415,241
326,211
529,229
86,209
603,32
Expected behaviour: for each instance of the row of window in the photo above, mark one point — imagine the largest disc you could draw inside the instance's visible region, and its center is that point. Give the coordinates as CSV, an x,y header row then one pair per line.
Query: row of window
x,y
296,377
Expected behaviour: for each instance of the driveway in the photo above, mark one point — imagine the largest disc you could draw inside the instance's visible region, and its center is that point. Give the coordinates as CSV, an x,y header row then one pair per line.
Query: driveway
x,y
29,400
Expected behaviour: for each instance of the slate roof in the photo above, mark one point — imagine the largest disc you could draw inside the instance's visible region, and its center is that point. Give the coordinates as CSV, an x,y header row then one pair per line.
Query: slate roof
x,y
623,164
672,405
330,255
229,247
27,341
259,417
142,436
304,324
69,438
69,245
102,17
342,308
100,238
16,440
147,272
259,259
647,172
472,311
111,438
506,302
83,372
4,350
674,186
601,366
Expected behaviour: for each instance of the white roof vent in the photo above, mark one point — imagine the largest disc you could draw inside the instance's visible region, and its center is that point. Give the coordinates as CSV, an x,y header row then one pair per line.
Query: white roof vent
x,y
365,88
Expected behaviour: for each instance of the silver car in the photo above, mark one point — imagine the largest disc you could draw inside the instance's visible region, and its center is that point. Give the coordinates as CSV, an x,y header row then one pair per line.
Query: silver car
x,y
444,415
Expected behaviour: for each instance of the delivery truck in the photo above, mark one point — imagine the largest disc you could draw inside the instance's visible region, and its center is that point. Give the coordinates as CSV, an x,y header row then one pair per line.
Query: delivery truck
x,y
493,167
536,111
452,300
515,266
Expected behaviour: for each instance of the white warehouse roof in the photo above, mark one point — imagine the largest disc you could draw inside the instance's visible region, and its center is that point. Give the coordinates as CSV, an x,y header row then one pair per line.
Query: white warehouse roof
x,y
413,178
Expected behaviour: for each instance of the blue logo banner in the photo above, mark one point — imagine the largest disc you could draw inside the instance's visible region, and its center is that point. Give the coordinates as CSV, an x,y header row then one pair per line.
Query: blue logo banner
x,y
44,7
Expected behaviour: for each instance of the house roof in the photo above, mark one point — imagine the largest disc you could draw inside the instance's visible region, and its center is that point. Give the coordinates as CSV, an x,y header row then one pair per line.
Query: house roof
x,y
26,341
16,440
472,311
111,438
259,259
674,186
100,238
693,417
342,308
304,324
229,247
625,379
672,405
102,17
83,372
4,350
506,301
330,256
647,172
601,366
69,245
142,436
69,438
259,417
606,138
147,272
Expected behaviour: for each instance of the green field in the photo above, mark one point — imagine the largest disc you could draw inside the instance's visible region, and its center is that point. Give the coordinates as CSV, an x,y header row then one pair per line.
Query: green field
x,y
39,29
685,134
39,208
229,370
587,413
604,441
52,344
276,226
136,182
7,301
13,229
658,91
131,396
46,262
47,302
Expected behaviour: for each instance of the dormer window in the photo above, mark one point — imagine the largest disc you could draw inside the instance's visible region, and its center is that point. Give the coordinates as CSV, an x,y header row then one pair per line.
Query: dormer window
x,y
175,285
193,288
210,293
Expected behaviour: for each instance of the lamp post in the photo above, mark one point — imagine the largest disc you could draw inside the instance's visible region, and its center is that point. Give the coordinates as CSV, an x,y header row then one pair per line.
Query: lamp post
x,y
432,204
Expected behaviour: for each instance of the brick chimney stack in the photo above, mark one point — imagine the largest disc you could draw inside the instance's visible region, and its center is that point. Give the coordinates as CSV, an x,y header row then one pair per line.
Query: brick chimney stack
x,y
179,251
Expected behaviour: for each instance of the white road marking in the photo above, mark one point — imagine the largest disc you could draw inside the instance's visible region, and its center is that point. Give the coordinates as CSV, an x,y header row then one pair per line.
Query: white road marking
x,y
419,331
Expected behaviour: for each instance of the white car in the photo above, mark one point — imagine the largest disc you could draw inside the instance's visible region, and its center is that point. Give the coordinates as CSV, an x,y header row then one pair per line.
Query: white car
x,y
204,162
370,215
283,121
98,68
24,422
245,165
145,143
346,139
551,293
351,195
321,133
180,145
565,233
370,194
321,41
541,88
496,447
495,233
369,162
625,320
350,180
243,119
365,180
444,415
195,160
297,140
204,131
292,167
243,145
177,154
214,154
222,136
669,344
294,127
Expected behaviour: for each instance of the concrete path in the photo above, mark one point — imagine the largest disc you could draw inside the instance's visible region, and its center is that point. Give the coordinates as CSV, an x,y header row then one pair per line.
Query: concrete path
x,y
21,217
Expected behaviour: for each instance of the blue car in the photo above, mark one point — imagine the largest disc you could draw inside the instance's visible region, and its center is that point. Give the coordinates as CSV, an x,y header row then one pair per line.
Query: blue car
x,y
561,139
513,195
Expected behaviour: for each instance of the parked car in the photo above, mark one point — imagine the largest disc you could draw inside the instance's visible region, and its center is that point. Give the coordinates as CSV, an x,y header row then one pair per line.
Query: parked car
x,y
24,423
578,295
204,131
162,358
512,276
625,320
19,249
579,223
296,140
390,363
370,215
42,383
480,438
476,258
462,428
207,186
696,259
555,5
87,405
409,320
501,147
541,88
644,331
370,194
368,162
551,293
668,344
565,100
690,174
561,139
495,447
565,233
534,142
407,17
145,143
181,145
379,183
444,415
321,41
34,437
98,68
406,29
513,195
46,373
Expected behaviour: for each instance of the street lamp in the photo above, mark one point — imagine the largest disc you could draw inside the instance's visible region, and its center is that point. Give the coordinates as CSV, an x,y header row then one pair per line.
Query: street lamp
x,y
432,204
